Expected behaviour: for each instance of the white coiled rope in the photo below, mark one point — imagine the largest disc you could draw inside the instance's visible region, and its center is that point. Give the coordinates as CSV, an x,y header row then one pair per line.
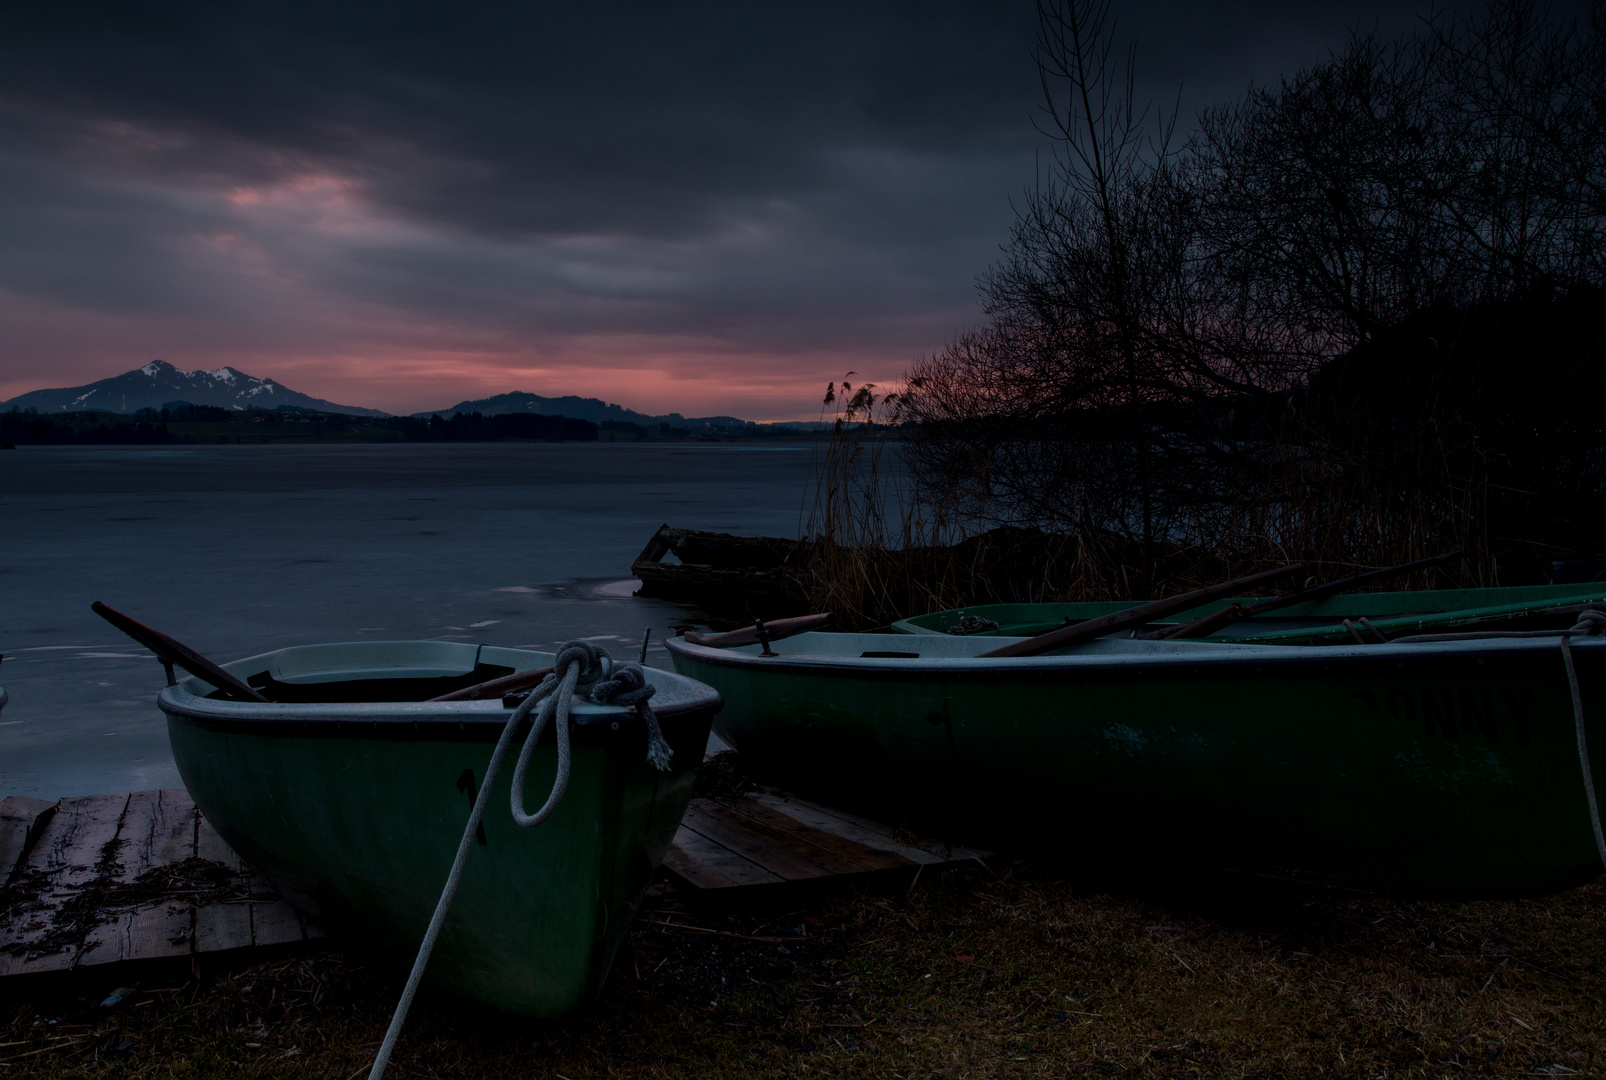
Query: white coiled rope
x,y
579,666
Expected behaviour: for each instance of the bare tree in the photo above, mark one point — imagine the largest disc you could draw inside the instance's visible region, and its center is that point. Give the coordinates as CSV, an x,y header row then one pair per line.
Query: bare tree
x,y
1147,374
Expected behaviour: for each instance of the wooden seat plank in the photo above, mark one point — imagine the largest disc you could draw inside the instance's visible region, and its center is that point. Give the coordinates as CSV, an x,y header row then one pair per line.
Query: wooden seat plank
x,y
778,852
705,864
861,855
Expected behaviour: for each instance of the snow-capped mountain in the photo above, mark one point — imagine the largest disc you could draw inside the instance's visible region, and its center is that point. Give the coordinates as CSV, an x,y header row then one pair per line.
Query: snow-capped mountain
x,y
158,383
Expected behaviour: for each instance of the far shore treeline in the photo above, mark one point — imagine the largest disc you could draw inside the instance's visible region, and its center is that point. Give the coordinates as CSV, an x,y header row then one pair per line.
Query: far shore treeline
x,y
1350,318
181,423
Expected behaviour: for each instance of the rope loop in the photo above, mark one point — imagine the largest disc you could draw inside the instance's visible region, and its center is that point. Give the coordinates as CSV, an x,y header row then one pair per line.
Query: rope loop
x,y
580,665
627,685
1590,621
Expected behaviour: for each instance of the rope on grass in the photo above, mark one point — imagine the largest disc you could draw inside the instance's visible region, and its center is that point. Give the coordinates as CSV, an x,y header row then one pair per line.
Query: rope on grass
x,y
580,666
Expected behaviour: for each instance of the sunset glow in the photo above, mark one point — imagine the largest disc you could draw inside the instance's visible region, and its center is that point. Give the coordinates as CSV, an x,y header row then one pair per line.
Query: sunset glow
x,y
564,209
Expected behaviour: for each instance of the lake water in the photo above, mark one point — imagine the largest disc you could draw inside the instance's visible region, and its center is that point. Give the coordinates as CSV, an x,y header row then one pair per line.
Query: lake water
x,y
240,550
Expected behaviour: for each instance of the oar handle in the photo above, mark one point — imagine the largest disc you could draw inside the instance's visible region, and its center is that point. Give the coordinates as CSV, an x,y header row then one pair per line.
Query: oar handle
x,y
1209,624
507,684
1091,629
769,631
176,652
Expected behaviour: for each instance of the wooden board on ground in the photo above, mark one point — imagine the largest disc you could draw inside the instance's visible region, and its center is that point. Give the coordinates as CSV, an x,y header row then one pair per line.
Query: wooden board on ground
x,y
21,818
761,840
104,879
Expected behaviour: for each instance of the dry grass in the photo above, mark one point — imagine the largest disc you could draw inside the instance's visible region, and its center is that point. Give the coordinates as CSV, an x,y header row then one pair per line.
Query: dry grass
x,y
883,548
981,973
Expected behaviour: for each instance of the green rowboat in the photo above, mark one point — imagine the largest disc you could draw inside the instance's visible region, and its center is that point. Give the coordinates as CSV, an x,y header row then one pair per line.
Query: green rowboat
x,y
1313,622
1448,767
352,796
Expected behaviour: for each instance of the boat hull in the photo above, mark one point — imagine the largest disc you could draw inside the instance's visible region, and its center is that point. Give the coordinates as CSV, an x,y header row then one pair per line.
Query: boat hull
x,y
1447,769
355,813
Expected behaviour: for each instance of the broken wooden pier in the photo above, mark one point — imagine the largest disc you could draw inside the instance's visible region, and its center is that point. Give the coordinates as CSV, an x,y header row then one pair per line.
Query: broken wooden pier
x,y
106,879
102,879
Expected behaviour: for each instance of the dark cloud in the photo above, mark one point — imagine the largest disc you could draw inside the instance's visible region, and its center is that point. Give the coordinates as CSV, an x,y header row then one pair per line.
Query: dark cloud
x,y
543,119
277,178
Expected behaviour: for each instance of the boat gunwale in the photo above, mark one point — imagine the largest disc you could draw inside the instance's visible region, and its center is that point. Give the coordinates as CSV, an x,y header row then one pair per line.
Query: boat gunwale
x,y
485,724
459,721
1219,657
1540,598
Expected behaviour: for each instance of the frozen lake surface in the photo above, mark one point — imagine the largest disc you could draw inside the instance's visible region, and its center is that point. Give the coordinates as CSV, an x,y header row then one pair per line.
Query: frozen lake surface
x,y
239,550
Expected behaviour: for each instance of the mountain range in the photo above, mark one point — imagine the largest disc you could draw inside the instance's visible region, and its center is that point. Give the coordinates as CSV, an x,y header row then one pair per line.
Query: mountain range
x,y
159,383
578,408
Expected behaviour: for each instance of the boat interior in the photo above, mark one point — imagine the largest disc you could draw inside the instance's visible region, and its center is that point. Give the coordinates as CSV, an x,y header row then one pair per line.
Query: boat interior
x,y
892,647
1539,607
378,671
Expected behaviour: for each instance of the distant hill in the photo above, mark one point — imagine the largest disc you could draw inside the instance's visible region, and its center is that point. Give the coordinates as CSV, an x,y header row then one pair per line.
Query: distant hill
x,y
159,383
578,408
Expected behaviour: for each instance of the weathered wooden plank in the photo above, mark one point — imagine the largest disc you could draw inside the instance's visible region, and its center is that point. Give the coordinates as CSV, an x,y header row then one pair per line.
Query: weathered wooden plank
x,y
209,845
255,886
29,938
70,846
772,849
154,932
22,818
64,858
221,927
785,836
704,864
274,922
861,855
102,842
25,964
158,830
867,832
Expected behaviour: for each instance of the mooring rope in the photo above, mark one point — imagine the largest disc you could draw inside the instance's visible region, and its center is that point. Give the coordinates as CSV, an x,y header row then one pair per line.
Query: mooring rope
x,y
1590,621
579,666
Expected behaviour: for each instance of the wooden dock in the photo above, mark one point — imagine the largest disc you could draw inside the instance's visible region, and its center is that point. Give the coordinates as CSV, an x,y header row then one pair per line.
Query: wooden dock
x,y
763,841
107,879
103,879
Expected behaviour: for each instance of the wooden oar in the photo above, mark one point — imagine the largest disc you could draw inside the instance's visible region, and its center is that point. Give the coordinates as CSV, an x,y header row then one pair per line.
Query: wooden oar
x,y
1209,624
1090,629
762,631
507,684
175,652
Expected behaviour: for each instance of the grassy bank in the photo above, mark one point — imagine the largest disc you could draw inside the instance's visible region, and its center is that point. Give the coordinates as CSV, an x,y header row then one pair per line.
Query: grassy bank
x,y
1003,971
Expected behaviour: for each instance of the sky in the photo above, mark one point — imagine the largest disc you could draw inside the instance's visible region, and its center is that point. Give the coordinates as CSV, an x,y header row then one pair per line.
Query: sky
x,y
707,209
